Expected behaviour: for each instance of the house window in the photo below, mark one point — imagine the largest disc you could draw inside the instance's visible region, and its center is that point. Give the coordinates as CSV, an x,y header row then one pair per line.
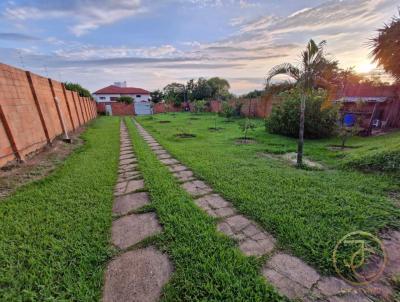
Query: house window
x,y
102,98
138,95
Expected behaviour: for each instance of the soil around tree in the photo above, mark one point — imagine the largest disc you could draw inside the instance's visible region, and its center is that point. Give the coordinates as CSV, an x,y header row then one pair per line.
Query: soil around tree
x,y
215,129
245,141
185,135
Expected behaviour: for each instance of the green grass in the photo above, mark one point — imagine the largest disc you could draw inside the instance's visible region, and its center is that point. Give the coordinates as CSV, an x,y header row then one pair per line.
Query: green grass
x,y
54,233
207,265
307,211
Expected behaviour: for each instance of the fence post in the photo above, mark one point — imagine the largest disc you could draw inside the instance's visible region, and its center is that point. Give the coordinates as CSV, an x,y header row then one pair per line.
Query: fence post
x,y
60,114
69,109
86,110
76,108
80,105
10,137
35,98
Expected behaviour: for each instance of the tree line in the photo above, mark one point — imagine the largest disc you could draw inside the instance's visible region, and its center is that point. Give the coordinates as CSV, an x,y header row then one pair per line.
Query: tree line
x,y
215,88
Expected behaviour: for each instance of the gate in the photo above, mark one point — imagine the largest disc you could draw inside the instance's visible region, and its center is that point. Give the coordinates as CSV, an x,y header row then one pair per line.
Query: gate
x,y
143,108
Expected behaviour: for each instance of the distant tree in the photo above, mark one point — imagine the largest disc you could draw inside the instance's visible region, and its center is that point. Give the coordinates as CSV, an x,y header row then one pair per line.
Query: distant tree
x,y
125,99
202,90
156,96
253,94
79,89
190,86
277,88
386,46
219,88
174,93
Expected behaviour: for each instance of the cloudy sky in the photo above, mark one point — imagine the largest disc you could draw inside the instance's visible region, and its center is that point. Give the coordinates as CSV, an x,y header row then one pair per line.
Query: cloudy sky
x,y
150,43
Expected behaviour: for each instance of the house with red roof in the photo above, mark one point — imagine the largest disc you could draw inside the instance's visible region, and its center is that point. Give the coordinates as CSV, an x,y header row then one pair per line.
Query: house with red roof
x,y
106,99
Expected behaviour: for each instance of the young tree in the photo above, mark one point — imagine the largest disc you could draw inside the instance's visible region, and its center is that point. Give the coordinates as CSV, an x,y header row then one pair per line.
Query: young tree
x,y
246,125
306,75
385,47
156,96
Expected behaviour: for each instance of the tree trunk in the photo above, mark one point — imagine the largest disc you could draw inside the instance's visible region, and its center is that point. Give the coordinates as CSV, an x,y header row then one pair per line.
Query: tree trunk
x,y
301,131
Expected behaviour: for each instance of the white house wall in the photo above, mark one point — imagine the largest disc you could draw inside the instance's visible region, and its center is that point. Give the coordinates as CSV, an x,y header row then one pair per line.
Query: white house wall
x,y
142,98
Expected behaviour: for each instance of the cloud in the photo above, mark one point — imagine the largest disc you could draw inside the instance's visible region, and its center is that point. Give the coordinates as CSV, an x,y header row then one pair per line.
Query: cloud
x,y
17,37
86,14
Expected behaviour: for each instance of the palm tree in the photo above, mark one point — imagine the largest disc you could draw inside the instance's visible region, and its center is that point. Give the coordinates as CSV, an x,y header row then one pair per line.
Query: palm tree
x,y
307,75
385,47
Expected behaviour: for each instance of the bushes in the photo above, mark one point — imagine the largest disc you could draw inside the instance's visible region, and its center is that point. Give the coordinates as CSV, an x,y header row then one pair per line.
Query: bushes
x,y
319,122
200,106
79,89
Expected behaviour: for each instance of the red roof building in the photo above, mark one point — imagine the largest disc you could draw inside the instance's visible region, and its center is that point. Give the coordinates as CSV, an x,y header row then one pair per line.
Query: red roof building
x,y
113,89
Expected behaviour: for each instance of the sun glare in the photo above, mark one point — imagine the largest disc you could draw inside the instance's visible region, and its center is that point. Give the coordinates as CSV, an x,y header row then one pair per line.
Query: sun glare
x,y
365,67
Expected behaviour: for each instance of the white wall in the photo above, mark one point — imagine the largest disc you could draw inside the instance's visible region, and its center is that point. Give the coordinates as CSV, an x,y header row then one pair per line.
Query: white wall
x,y
143,97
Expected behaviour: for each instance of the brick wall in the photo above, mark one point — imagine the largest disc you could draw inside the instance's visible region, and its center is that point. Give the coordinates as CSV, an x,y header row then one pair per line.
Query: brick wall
x,y
29,117
120,109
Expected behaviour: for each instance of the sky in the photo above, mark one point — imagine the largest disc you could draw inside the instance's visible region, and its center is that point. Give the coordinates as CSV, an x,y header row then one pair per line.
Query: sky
x,y
150,43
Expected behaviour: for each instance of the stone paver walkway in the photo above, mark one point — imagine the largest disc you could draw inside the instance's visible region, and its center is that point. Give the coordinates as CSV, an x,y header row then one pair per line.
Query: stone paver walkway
x,y
136,274
290,275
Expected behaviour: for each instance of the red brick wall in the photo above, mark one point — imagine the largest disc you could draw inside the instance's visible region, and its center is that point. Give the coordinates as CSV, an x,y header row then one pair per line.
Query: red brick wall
x,y
259,107
120,109
28,114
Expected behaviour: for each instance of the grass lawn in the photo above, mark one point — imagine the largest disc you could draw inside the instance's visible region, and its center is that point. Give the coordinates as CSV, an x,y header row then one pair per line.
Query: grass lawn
x,y
54,233
307,211
207,265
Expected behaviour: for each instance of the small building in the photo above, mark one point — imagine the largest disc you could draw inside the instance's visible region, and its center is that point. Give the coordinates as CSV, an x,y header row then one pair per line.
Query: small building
x,y
376,107
106,99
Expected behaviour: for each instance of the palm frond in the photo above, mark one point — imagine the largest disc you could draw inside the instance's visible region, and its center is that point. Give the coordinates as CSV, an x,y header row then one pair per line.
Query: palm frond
x,y
283,69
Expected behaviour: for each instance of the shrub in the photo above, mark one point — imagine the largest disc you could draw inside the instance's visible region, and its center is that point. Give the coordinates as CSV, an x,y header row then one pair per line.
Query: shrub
x,y
227,111
79,89
125,99
199,106
319,121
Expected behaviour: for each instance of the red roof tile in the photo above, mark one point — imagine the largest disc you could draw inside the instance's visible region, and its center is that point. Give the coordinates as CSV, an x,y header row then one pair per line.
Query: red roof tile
x,y
112,89
365,90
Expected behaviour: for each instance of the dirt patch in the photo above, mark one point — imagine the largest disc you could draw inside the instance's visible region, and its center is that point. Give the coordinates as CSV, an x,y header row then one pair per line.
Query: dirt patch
x,y
185,135
37,165
194,118
164,122
340,148
395,196
215,129
245,141
292,159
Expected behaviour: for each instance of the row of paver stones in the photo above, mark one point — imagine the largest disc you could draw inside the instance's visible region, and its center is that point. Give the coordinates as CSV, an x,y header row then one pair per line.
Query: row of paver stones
x,y
290,275
135,274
